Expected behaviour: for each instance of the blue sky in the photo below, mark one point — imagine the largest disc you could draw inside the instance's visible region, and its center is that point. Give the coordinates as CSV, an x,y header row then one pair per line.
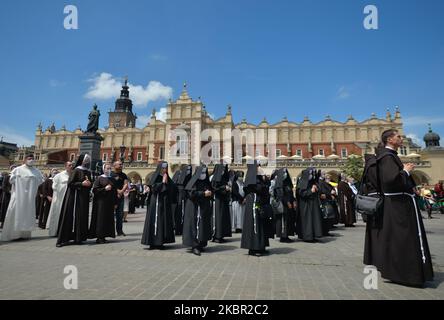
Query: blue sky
x,y
265,58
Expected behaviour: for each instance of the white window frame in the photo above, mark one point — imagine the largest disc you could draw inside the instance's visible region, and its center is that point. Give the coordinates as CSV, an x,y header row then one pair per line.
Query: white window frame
x,y
344,154
139,156
105,157
321,152
215,151
72,157
403,150
299,152
278,153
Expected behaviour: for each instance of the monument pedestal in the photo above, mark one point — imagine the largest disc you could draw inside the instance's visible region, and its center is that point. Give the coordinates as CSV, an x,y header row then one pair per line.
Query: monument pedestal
x,y
90,144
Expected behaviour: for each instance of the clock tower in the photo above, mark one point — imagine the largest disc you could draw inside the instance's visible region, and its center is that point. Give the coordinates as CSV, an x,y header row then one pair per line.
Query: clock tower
x,y
122,116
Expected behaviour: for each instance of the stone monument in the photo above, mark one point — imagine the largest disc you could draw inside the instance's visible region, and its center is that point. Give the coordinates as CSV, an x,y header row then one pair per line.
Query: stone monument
x,y
90,141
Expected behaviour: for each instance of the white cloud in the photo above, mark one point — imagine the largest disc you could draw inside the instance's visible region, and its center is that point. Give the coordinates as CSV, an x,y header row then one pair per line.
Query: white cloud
x,y
423,121
142,121
415,139
162,114
11,136
105,86
343,93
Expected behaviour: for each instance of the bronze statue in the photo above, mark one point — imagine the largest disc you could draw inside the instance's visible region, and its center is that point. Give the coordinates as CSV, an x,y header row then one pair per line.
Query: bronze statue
x,y
93,124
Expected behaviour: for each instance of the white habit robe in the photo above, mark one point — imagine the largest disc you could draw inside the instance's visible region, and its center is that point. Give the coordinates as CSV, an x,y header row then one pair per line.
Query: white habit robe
x,y
59,186
20,217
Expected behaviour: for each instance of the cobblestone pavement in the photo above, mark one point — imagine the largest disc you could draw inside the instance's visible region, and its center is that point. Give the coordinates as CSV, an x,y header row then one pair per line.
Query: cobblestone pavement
x,y
124,269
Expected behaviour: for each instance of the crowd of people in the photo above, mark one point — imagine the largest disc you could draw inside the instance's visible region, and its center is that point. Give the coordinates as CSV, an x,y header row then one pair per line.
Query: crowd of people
x,y
201,206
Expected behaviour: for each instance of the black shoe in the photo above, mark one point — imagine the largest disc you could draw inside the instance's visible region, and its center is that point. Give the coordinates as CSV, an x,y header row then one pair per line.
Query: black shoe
x,y
59,245
121,234
218,240
196,251
238,231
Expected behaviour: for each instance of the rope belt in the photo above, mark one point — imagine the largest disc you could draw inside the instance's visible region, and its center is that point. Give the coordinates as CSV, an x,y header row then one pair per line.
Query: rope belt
x,y
417,218
198,221
183,209
155,221
254,214
214,216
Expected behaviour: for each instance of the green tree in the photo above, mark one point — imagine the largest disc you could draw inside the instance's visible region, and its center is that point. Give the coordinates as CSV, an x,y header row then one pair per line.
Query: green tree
x,y
354,167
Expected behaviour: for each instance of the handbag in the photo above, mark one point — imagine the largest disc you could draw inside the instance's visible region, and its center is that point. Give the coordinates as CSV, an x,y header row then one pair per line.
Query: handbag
x,y
328,210
278,206
369,205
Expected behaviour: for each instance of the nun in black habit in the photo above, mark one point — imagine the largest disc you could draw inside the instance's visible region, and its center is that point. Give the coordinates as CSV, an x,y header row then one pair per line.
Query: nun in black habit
x,y
73,222
309,222
159,227
221,205
174,201
104,202
285,223
397,245
257,212
182,179
197,218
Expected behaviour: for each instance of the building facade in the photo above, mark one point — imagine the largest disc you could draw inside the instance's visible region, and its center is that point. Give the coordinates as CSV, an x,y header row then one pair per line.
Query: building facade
x,y
182,134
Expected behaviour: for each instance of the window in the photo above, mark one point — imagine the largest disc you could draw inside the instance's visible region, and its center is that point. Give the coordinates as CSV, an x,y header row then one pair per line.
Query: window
x,y
139,156
72,157
37,156
238,154
215,151
344,153
105,157
321,152
21,156
278,153
161,152
299,152
403,150
182,146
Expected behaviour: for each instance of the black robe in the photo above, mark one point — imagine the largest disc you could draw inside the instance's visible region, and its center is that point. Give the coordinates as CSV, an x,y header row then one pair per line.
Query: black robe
x,y
309,224
285,223
45,204
221,204
132,198
73,222
181,180
39,201
254,230
197,218
395,247
6,197
258,212
159,228
346,204
326,189
102,216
